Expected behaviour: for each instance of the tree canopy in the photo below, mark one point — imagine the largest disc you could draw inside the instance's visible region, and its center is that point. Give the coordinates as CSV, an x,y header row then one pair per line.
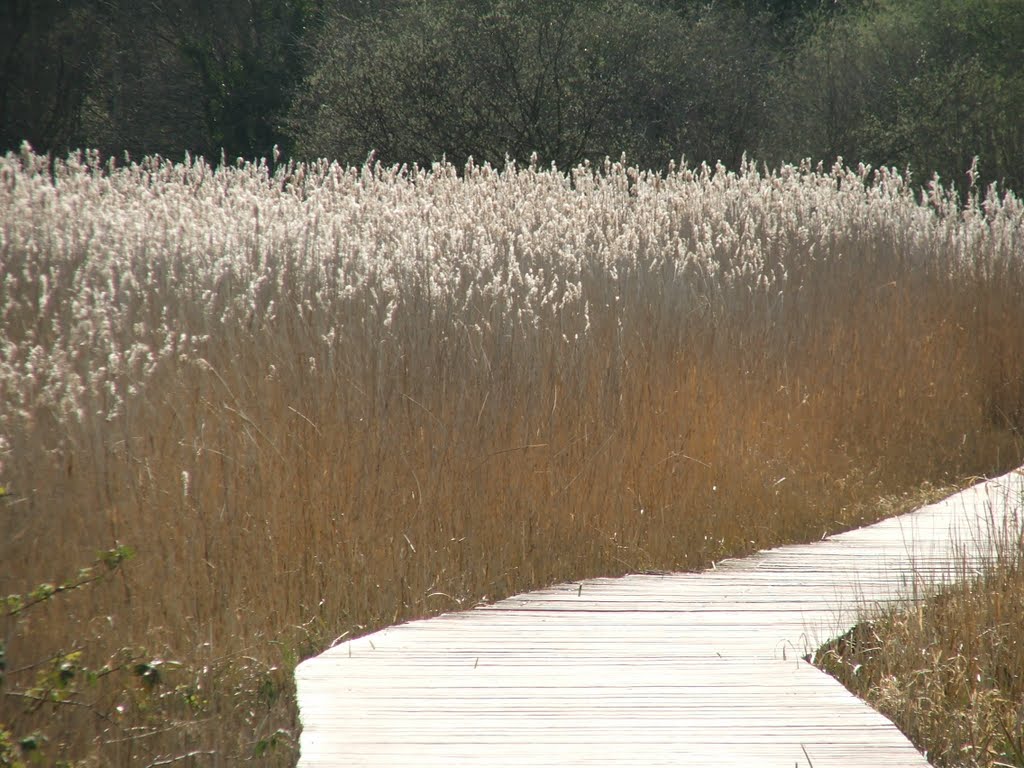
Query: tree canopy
x,y
924,84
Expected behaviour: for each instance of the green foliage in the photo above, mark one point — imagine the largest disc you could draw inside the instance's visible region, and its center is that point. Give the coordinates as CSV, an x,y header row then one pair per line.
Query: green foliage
x,y
929,85
917,84
150,77
245,57
20,753
128,692
44,70
63,678
567,80
272,742
106,562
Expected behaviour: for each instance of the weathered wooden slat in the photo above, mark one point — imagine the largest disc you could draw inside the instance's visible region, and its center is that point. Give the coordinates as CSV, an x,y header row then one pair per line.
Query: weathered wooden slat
x,y
653,669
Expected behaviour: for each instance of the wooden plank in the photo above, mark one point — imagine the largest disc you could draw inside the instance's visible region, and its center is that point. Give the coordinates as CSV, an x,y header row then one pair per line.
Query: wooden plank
x,y
649,670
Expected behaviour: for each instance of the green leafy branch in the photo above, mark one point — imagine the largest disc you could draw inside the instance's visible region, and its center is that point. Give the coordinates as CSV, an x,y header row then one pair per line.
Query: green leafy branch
x,y
61,678
106,562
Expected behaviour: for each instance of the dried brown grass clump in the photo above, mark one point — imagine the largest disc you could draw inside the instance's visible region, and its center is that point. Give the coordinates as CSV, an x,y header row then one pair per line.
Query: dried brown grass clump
x,y
949,672
323,400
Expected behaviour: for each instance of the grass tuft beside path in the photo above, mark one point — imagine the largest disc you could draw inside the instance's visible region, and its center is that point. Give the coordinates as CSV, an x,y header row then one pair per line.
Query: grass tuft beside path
x,y
950,670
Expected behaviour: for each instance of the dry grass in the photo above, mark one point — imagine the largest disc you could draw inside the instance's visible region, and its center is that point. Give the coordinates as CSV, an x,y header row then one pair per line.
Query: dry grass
x,y
948,670
324,400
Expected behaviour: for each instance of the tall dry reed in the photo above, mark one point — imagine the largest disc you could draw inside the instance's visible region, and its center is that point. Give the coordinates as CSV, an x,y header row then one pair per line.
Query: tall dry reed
x,y
321,399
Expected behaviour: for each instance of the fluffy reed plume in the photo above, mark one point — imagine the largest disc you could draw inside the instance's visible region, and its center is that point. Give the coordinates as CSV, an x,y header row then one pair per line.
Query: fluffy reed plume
x,y
322,399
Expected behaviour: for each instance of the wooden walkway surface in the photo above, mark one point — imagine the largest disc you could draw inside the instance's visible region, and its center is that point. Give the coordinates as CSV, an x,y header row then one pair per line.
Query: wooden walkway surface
x,y
688,669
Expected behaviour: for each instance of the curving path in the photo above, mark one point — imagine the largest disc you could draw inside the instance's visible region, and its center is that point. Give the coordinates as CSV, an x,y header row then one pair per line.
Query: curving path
x,y
684,669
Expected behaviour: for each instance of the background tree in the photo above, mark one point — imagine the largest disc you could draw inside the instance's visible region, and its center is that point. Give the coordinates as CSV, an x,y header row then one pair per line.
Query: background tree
x,y
567,79
143,97
46,61
158,77
724,70
927,85
922,84
185,74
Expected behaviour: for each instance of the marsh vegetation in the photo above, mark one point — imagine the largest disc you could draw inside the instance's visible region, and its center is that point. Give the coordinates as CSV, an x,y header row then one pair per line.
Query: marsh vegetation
x,y
322,399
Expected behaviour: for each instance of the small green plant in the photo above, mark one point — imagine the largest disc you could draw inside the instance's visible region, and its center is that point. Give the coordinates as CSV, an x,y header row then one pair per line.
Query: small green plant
x,y
106,563
63,678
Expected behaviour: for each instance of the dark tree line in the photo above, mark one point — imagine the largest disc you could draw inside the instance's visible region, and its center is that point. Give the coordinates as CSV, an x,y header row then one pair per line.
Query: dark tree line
x,y
153,76
925,84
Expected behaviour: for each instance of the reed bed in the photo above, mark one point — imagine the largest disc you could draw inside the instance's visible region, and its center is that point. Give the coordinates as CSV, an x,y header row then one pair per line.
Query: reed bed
x,y
947,669
317,400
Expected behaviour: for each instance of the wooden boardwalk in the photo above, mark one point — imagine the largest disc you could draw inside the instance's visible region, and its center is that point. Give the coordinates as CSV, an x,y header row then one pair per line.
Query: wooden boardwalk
x,y
650,670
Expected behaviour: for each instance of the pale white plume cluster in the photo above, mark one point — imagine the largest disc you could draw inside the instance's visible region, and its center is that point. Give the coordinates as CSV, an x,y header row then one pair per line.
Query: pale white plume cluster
x,y
111,273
